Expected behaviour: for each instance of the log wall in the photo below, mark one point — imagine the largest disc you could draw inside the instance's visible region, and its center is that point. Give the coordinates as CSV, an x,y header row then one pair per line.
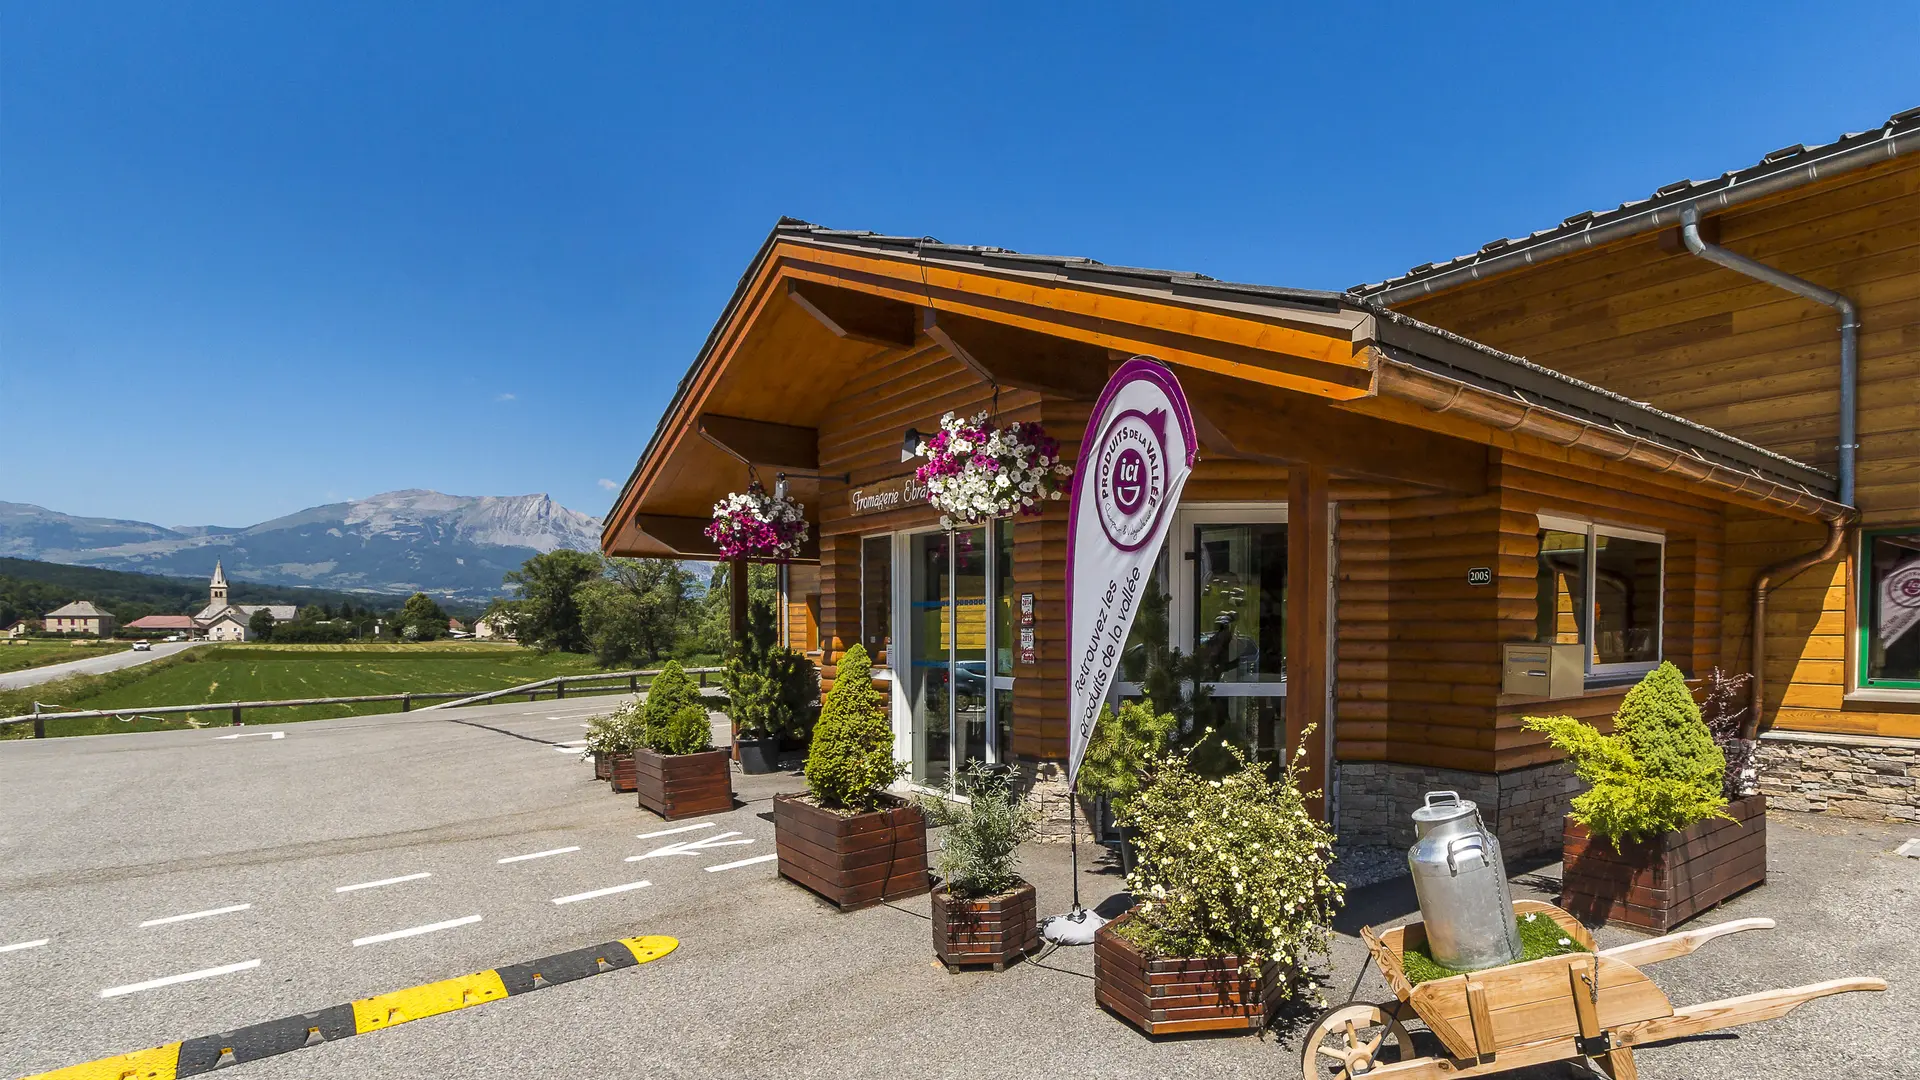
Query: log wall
x,y
1419,649
1645,319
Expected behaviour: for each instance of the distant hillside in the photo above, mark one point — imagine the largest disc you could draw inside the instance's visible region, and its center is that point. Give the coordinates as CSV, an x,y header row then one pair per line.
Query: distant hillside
x,y
29,589
454,547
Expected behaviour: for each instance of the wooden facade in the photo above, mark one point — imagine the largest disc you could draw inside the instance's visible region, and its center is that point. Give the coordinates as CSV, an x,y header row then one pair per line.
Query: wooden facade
x,y
1415,472
1647,319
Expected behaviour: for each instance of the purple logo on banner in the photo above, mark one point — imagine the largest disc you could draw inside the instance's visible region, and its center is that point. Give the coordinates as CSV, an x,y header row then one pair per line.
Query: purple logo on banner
x,y
1134,460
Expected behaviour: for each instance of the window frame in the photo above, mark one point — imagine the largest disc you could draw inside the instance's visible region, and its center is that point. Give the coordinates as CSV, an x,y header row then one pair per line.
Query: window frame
x,y
1594,530
1863,582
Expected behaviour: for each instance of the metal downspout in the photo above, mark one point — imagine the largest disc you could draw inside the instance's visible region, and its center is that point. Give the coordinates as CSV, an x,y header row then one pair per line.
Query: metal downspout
x,y
1849,333
1763,583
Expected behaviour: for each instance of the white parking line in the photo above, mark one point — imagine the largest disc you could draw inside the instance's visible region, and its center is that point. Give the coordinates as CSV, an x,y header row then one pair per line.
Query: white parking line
x,y
628,887
670,832
742,862
537,855
691,847
17,946
563,748
154,984
195,915
382,881
416,931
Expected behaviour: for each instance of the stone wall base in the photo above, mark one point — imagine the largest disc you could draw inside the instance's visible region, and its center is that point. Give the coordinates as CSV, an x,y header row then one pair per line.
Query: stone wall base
x,y
1524,807
1845,775
1044,784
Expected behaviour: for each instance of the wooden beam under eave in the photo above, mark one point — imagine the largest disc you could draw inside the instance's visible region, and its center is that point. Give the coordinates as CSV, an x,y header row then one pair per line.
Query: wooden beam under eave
x,y
762,442
1260,423
686,537
855,315
1008,356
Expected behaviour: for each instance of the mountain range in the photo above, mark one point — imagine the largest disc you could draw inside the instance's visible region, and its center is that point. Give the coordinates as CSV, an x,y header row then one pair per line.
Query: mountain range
x,y
452,546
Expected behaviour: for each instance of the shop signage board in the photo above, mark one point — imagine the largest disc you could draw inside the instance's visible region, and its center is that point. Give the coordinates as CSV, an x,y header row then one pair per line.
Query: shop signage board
x,y
1134,460
893,493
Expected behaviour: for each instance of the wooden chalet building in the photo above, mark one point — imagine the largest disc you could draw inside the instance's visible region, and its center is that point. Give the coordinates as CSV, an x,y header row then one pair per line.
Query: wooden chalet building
x,y
1395,517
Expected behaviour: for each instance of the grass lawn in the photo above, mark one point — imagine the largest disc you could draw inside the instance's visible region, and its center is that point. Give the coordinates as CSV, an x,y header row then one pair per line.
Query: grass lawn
x,y
39,652
255,672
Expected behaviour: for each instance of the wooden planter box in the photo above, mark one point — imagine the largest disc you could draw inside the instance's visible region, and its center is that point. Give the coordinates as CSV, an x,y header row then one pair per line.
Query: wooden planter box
x,y
989,930
684,785
602,768
1166,996
853,861
620,771
1658,884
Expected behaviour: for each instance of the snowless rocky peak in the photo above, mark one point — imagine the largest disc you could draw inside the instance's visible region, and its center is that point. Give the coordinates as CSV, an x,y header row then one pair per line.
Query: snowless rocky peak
x,y
528,521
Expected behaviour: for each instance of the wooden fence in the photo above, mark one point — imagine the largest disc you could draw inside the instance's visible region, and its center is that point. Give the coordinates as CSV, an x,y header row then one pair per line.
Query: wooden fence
x,y
606,682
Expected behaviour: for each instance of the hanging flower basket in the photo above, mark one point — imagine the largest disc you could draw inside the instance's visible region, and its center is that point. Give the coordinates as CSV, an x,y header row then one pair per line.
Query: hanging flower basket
x,y
755,525
975,471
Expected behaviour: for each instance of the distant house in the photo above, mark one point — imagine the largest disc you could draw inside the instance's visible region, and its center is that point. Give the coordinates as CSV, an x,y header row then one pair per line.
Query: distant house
x,y
223,621
19,629
229,625
493,627
166,624
79,617
455,626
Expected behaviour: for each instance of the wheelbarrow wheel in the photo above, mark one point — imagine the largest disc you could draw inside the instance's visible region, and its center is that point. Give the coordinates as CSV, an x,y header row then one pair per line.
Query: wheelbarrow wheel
x,y
1350,1040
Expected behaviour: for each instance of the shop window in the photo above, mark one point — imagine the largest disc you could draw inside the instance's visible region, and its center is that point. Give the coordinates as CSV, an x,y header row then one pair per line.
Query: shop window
x,y
876,597
1890,609
1603,587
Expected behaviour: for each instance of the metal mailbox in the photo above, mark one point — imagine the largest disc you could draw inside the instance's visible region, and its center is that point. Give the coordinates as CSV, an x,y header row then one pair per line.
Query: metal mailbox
x,y
1546,671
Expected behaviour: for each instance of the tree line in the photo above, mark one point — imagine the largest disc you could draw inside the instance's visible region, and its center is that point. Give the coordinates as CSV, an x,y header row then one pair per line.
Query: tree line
x,y
626,612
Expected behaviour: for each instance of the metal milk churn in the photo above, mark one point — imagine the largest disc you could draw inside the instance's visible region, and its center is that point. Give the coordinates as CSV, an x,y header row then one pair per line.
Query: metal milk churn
x,y
1461,882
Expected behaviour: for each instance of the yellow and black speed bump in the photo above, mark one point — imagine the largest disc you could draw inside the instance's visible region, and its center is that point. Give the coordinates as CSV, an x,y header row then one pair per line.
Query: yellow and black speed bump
x,y
283,1036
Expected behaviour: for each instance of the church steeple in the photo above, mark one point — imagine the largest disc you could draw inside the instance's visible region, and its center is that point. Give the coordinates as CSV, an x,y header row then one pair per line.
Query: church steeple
x,y
217,589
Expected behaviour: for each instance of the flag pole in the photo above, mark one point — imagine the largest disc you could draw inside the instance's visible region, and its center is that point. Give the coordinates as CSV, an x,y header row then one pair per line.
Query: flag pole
x,y
1073,838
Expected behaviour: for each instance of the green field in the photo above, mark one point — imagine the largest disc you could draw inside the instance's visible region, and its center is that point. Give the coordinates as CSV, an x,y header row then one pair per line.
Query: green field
x,y
278,672
39,652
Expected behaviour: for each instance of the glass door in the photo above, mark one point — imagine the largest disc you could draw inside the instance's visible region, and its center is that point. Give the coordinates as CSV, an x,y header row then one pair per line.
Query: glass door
x,y
958,701
1237,605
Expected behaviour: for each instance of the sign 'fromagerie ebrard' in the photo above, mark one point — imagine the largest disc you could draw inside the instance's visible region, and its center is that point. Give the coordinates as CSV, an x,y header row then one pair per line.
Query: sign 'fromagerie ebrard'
x,y
1134,461
892,493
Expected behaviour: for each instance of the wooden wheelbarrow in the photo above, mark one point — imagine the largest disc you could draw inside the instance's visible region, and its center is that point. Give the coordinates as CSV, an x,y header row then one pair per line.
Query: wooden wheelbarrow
x,y
1584,1004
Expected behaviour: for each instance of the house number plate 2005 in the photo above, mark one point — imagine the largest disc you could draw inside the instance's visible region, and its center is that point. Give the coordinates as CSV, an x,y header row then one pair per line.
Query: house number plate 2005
x,y
1480,575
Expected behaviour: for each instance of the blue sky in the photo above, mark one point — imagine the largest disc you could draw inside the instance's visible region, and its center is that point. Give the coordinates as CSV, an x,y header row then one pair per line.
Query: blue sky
x,y
255,257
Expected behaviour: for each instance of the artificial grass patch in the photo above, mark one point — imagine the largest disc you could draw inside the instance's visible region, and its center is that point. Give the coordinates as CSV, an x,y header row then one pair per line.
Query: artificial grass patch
x,y
1540,937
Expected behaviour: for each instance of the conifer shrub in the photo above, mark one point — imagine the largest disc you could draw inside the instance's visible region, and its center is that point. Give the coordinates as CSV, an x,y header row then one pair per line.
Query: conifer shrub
x,y
668,693
769,687
1659,771
851,762
685,732
1124,746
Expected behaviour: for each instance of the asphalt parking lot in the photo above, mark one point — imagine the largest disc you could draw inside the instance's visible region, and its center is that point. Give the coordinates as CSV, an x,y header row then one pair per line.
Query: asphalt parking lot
x,y
396,832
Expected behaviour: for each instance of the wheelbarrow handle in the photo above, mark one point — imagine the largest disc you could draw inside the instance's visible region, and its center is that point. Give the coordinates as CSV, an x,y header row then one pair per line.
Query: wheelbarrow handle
x,y
1654,950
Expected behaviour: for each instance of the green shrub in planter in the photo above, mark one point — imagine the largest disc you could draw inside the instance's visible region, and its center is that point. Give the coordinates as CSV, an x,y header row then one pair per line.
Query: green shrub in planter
x,y
616,732
668,693
1659,770
980,854
686,732
768,687
1236,866
1124,746
851,760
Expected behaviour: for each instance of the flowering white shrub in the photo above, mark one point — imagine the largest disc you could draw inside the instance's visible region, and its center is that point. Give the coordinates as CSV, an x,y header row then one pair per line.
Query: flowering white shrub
x,y
1231,867
975,471
754,524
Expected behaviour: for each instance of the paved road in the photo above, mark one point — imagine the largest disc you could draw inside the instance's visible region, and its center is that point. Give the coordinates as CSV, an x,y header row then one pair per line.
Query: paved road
x,y
93,665
101,835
